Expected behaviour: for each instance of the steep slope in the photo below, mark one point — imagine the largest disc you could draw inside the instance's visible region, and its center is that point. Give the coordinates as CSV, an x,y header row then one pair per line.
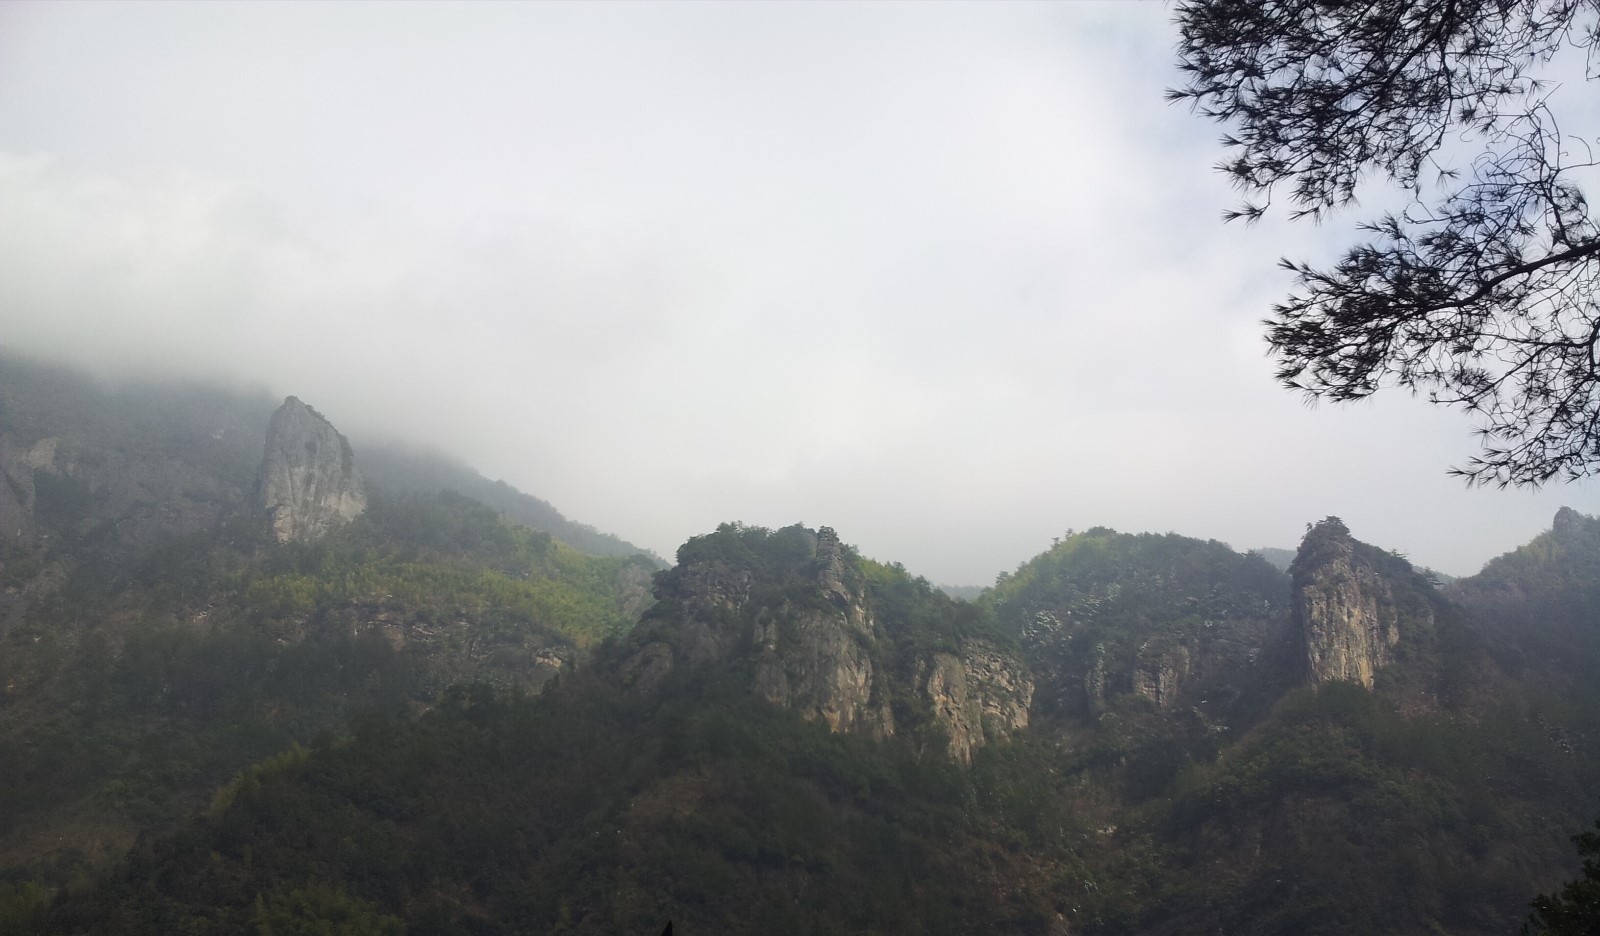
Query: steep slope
x,y
588,811
671,779
138,460
1409,786
1346,610
793,765
1539,605
1126,624
1340,814
96,474
410,470
155,636
859,646
1130,734
1369,617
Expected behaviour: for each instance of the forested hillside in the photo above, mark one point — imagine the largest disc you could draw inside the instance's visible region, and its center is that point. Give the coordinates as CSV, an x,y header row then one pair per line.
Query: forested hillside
x,y
154,639
406,469
434,719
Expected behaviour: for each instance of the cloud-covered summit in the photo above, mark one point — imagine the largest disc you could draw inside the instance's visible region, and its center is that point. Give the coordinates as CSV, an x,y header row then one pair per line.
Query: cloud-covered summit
x,y
946,277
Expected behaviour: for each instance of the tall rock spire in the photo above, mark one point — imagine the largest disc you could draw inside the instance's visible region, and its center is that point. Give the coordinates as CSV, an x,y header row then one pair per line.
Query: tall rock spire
x,y
1352,612
308,483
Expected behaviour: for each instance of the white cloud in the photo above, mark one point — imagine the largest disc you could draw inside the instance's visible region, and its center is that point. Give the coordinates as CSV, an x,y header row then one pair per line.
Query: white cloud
x,y
946,277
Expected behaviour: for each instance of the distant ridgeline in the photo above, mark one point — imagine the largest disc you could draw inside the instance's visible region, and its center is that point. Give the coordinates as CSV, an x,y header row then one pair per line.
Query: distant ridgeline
x,y
404,469
196,451
305,693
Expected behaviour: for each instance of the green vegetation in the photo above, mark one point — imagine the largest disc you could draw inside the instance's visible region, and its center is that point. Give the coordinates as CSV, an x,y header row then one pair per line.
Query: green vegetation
x,y
154,641
437,560
767,554
407,471
416,724
319,909
22,908
1099,606
1339,815
128,699
1539,603
586,812
1575,911
590,809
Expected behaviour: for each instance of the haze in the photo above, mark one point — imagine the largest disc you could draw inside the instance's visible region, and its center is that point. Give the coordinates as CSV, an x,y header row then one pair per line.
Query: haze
x,y
949,278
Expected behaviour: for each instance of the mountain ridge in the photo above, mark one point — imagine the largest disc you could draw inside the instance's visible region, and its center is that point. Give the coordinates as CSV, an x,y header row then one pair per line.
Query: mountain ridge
x,y
40,401
434,719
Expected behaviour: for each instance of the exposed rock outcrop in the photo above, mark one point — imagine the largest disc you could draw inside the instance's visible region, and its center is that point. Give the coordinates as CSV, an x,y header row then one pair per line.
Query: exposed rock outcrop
x,y
795,611
698,621
819,659
1128,626
1568,523
812,639
18,486
132,496
831,571
983,693
1160,671
633,588
1346,607
309,483
820,663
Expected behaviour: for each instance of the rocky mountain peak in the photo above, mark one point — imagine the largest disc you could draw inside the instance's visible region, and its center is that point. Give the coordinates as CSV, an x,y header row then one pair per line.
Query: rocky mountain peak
x,y
794,607
1567,522
1346,606
829,563
308,483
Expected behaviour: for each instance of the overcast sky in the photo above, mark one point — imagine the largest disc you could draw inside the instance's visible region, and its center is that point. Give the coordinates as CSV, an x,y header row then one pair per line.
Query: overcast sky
x,y
949,278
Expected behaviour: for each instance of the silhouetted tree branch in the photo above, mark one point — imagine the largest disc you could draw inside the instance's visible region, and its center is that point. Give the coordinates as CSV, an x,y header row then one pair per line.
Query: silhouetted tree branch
x,y
1482,293
1575,911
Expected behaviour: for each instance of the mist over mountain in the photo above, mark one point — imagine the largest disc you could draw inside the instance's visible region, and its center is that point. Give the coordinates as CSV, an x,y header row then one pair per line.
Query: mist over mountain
x,y
1280,559
560,468
411,469
443,707
662,269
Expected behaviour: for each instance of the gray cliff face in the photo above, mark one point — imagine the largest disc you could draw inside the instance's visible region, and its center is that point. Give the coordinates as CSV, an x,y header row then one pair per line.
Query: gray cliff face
x,y
984,693
813,646
1346,608
1159,672
819,660
815,656
711,597
821,665
308,483
1219,660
